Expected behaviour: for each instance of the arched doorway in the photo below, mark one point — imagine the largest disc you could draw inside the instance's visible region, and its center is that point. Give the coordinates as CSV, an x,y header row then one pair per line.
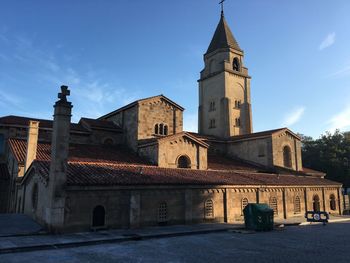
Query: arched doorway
x,y
98,216
332,202
316,203
183,162
287,157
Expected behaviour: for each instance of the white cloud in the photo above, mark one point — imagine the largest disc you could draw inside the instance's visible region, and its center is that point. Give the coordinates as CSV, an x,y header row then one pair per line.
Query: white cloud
x,y
190,122
293,116
91,95
340,73
6,99
328,41
340,120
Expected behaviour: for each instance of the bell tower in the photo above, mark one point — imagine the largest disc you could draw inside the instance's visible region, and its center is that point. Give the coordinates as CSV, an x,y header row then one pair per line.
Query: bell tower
x,y
224,87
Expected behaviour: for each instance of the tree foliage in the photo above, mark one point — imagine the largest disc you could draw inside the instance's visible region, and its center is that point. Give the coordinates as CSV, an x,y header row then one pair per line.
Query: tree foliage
x,y
330,154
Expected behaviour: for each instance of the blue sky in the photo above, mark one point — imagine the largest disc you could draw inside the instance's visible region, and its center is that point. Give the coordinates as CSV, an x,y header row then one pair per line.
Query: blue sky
x,y
113,52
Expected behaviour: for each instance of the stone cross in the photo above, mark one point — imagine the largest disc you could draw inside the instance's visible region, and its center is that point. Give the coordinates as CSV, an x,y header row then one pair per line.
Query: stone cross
x,y
64,93
222,6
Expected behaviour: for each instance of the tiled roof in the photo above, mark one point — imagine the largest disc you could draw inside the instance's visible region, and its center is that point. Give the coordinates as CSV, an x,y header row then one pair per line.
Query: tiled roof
x,y
19,149
107,165
100,124
173,136
95,174
4,173
223,37
24,121
311,171
79,153
219,162
256,134
141,100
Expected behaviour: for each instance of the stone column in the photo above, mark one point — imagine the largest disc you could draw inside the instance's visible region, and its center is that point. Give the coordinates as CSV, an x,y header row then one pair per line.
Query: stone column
x,y
305,198
32,143
339,200
59,162
324,200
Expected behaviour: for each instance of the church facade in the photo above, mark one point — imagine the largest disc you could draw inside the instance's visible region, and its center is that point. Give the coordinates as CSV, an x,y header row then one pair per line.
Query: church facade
x,y
136,166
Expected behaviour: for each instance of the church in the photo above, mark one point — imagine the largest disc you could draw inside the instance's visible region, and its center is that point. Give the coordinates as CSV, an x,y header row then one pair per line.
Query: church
x,y
136,166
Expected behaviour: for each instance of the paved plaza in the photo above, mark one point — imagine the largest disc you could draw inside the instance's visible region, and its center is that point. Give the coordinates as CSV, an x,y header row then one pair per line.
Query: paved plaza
x,y
315,243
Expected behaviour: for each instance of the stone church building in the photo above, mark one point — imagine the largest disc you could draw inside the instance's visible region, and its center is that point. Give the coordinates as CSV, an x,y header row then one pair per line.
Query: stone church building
x,y
136,166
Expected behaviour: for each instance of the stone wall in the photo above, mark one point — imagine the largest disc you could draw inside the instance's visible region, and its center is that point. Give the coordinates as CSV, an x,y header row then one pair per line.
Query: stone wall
x,y
128,120
135,207
158,111
4,194
80,205
279,141
171,149
253,150
37,212
149,152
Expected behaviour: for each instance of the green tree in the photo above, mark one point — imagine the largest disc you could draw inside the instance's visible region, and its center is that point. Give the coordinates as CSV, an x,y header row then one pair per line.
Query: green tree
x,y
330,154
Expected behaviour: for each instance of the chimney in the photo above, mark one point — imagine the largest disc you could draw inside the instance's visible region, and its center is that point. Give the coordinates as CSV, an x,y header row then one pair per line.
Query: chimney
x,y
32,143
59,160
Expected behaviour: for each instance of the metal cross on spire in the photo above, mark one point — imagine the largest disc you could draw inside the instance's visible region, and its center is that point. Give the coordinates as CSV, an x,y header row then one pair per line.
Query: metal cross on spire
x,y
222,6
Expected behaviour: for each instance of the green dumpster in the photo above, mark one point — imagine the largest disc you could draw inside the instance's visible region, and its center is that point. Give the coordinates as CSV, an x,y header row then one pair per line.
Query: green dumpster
x,y
258,217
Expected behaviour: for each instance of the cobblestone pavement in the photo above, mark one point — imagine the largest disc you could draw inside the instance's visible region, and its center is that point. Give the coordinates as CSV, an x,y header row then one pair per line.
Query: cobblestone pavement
x,y
314,243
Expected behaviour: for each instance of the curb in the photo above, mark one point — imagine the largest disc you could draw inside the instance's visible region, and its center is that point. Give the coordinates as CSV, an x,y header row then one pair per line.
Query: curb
x,y
134,237
329,221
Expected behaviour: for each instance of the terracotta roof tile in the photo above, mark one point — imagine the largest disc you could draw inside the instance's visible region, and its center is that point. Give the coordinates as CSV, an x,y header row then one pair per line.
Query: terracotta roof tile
x,y
100,124
112,174
24,121
219,162
79,153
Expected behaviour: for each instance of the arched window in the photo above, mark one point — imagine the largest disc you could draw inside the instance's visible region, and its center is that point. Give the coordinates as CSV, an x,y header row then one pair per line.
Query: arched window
x,y
162,212
274,205
35,196
183,162
209,209
98,216
165,129
244,203
287,157
297,205
156,129
236,65
332,202
161,129
316,203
